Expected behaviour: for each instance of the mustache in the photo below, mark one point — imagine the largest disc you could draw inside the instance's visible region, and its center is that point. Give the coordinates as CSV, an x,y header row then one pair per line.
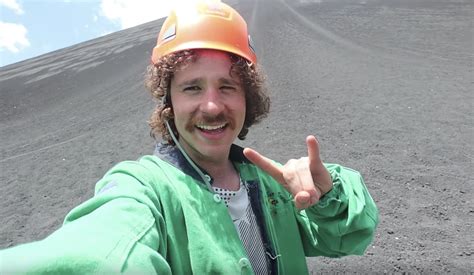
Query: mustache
x,y
204,118
208,119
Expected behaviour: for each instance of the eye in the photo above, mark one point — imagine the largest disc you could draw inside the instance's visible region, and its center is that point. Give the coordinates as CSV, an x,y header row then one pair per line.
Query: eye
x,y
192,88
228,88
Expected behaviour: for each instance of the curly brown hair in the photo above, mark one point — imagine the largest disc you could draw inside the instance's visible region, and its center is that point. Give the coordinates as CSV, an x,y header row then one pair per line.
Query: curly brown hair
x,y
158,80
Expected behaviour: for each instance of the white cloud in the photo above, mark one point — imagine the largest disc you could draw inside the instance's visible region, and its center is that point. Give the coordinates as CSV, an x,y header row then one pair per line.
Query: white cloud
x,y
13,37
13,5
131,13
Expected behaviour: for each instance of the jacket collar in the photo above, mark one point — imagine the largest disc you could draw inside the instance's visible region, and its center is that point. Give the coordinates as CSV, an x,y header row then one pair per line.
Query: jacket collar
x,y
173,156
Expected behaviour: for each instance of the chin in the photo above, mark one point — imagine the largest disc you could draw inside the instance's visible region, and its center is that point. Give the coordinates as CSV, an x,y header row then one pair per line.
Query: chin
x,y
214,151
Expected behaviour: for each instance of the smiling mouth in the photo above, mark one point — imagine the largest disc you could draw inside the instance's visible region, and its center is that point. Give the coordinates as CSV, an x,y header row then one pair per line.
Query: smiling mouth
x,y
212,128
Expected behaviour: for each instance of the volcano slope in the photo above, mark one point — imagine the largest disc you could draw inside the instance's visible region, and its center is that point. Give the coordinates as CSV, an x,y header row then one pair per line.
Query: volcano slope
x,y
384,85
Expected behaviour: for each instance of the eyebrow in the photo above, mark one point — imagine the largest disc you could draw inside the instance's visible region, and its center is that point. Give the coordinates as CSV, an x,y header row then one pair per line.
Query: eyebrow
x,y
195,81
229,81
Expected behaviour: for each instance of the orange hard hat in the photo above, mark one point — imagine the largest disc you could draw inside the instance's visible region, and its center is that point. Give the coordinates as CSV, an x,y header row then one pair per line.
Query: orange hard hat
x,y
204,25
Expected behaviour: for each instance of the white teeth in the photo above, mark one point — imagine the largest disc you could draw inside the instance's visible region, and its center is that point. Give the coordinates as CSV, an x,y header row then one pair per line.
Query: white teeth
x,y
211,127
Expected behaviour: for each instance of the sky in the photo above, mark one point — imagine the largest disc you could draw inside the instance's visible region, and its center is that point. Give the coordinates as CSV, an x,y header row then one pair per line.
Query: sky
x,y
29,28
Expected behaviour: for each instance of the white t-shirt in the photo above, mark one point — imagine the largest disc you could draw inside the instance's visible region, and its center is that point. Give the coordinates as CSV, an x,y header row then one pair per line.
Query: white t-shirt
x,y
242,215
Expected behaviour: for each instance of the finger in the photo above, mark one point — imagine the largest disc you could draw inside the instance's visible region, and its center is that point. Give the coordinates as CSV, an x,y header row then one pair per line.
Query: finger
x,y
313,150
265,164
321,177
304,178
299,182
315,163
292,175
302,200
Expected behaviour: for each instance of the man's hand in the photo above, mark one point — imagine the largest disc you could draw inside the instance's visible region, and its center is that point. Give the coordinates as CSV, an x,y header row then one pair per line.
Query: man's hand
x,y
306,178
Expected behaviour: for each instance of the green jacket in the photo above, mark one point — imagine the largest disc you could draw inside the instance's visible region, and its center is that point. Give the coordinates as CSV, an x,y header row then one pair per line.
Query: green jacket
x,y
155,215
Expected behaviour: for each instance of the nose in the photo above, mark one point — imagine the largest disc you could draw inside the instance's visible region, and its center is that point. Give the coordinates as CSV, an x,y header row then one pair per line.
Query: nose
x,y
212,103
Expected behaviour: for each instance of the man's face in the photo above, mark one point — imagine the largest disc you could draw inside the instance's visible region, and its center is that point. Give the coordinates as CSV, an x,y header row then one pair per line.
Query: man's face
x,y
208,106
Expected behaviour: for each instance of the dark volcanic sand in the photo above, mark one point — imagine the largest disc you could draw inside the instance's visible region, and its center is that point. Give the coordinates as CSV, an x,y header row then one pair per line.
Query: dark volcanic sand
x,y
384,85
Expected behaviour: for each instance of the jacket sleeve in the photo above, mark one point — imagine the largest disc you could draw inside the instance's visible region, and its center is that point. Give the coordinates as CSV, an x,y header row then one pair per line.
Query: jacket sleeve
x,y
343,222
120,229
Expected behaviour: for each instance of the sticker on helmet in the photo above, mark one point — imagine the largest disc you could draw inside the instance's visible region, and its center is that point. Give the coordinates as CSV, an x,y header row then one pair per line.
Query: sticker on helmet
x,y
170,33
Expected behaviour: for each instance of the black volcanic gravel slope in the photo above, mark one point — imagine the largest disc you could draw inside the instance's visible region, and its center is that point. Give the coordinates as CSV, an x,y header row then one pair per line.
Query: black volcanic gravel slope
x,y
384,85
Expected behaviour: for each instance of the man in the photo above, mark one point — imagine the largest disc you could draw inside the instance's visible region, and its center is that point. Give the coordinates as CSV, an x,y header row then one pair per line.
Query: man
x,y
201,204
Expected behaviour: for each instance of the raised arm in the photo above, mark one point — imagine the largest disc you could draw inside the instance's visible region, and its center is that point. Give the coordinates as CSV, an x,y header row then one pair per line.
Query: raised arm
x,y
337,216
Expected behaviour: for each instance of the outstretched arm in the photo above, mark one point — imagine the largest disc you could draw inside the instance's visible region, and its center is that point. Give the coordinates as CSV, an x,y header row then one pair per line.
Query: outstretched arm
x,y
119,230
